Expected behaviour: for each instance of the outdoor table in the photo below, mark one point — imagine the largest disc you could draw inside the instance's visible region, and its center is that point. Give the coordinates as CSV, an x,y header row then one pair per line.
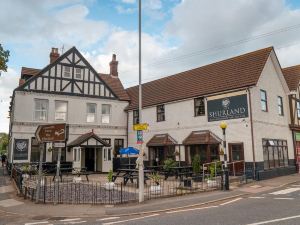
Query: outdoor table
x,y
128,166
130,174
178,171
154,168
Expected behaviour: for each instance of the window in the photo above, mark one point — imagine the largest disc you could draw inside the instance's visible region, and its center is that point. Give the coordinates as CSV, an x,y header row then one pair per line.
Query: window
x,y
119,143
41,109
78,73
61,110
106,110
67,71
263,100
91,112
275,153
280,105
135,116
35,151
298,110
107,150
160,111
76,154
199,106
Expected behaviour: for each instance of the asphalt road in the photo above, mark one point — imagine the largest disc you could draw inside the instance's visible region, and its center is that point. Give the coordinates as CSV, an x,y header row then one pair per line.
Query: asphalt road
x,y
278,206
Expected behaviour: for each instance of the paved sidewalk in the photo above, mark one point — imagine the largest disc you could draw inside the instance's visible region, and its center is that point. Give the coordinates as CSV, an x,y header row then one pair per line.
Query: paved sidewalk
x,y
30,209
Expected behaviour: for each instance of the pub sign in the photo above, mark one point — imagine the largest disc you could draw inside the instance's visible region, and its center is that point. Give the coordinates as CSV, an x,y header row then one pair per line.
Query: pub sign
x,y
233,107
21,149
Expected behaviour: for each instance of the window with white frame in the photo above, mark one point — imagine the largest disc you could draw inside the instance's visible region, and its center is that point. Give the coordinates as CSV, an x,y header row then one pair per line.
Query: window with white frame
x,y
78,74
41,109
76,154
298,110
107,150
106,113
263,100
61,110
91,112
67,71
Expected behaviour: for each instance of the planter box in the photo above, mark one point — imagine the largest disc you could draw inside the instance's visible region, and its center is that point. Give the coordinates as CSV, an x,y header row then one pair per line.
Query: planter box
x,y
109,185
211,183
155,190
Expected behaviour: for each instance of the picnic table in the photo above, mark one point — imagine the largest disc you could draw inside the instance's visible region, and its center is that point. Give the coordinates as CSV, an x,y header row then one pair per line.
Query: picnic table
x,y
178,171
67,171
128,166
130,174
155,168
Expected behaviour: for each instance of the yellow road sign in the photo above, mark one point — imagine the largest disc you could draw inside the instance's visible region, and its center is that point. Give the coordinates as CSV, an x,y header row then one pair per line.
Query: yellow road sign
x,y
142,126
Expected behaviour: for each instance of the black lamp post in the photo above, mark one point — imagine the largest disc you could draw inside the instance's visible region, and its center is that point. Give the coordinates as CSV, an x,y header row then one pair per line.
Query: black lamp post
x,y
223,126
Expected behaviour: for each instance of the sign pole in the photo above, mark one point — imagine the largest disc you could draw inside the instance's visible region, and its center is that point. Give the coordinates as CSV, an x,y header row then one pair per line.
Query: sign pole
x,y
57,176
141,164
38,187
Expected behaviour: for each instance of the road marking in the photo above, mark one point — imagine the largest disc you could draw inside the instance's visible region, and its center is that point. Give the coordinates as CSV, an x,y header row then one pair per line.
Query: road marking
x,y
296,185
41,222
234,200
108,218
285,191
284,198
138,218
66,220
75,222
257,197
276,220
185,210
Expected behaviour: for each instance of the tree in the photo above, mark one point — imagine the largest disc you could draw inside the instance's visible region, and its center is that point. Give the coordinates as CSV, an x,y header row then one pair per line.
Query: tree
x,y
4,54
3,142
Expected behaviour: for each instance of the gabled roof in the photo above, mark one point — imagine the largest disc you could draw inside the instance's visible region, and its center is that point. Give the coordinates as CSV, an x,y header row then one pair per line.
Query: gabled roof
x,y
292,76
85,137
161,140
115,84
234,73
201,137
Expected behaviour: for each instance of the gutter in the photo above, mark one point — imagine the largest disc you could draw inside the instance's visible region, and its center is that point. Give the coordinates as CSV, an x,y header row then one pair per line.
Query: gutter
x,y
252,134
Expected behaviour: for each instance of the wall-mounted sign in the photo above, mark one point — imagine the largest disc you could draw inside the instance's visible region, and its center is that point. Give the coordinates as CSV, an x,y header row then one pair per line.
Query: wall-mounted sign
x,y
139,137
21,149
141,126
228,108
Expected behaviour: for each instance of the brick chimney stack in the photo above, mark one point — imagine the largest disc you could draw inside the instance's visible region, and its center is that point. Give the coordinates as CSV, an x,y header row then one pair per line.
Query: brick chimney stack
x,y
114,66
54,54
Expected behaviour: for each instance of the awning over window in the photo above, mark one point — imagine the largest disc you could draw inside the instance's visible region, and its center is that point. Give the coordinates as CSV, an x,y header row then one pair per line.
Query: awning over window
x,y
88,139
201,137
161,140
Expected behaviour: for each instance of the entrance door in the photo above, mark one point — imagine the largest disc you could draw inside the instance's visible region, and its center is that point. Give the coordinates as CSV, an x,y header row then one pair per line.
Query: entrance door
x,y
107,159
90,159
236,153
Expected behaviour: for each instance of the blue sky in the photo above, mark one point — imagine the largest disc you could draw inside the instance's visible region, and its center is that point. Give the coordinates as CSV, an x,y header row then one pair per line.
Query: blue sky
x,y
177,34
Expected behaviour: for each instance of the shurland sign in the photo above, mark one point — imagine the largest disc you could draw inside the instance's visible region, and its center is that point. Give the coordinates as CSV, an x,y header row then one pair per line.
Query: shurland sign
x,y
51,133
233,107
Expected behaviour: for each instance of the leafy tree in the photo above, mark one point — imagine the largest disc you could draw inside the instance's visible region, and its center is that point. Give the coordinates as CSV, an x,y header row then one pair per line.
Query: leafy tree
x,y
4,54
3,142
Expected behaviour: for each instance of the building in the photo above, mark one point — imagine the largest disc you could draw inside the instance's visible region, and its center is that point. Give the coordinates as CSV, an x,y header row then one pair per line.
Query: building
x,y
69,90
184,112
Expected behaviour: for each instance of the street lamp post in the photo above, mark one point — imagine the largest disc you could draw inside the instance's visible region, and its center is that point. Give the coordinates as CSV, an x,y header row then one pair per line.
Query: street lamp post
x,y
223,126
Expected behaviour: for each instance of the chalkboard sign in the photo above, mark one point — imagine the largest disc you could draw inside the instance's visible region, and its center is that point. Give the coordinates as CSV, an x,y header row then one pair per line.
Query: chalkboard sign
x,y
21,149
228,108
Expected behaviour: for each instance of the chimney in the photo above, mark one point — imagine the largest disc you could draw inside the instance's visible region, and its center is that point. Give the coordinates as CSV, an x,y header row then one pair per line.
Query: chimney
x,y
54,55
21,81
114,66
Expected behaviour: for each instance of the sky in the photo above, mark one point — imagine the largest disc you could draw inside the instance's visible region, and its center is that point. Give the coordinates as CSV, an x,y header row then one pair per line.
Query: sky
x,y
177,35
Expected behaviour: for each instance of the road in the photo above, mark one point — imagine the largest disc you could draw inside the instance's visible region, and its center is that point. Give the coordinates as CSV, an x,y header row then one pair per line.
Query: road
x,y
277,206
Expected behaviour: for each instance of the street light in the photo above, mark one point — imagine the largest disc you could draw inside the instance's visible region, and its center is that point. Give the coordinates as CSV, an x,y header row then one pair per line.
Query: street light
x,y
223,126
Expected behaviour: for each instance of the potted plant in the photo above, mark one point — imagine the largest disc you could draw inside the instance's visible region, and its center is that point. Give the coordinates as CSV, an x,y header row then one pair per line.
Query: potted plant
x,y
155,187
214,169
110,184
196,168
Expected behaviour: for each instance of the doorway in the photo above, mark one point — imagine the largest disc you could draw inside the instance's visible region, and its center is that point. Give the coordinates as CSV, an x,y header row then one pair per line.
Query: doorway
x,y
236,153
90,159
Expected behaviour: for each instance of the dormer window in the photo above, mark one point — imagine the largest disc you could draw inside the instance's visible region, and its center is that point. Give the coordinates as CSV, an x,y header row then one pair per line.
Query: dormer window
x,y
67,71
78,73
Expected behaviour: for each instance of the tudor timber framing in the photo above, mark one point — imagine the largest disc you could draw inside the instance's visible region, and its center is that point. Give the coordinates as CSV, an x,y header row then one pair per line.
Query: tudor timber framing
x,y
295,120
51,79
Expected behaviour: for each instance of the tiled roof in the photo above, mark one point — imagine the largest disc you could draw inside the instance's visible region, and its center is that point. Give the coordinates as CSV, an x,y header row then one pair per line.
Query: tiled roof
x,y
238,72
292,76
161,140
85,137
29,71
115,84
201,137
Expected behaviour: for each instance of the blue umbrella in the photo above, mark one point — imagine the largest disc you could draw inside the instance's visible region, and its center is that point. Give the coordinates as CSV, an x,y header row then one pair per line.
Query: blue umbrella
x,y
129,151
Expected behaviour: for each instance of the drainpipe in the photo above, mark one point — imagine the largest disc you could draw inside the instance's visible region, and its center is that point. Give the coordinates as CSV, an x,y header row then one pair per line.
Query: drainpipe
x,y
252,135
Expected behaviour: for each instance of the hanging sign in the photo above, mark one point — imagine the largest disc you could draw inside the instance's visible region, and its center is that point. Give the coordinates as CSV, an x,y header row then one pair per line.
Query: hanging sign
x,y
51,133
228,108
21,149
140,126
139,137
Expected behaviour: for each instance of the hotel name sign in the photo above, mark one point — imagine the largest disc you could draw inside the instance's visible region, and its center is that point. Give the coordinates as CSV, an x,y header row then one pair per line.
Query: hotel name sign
x,y
233,107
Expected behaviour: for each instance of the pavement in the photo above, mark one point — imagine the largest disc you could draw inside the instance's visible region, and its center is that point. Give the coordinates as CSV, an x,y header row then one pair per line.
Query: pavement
x,y
11,204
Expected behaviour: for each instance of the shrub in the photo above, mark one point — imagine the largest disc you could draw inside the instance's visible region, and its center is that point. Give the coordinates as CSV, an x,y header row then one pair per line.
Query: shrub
x,y
196,164
110,176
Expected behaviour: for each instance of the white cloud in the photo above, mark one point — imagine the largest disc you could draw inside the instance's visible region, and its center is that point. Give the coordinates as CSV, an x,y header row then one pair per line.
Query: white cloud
x,y
123,10
128,1
8,81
